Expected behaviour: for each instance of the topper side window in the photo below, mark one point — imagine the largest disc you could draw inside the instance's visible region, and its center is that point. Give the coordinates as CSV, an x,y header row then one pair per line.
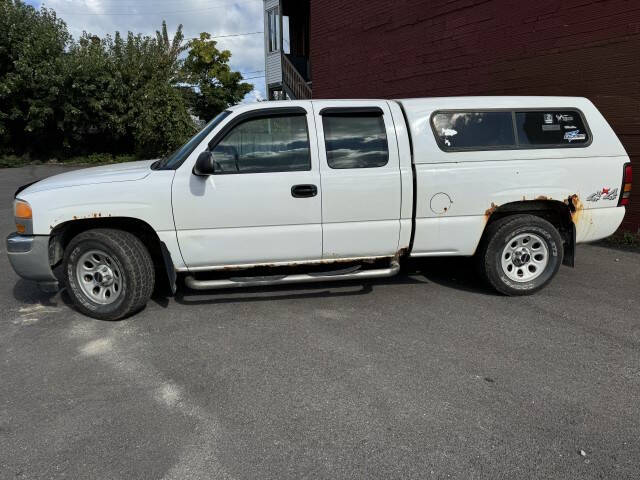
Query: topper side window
x,y
474,130
509,129
551,128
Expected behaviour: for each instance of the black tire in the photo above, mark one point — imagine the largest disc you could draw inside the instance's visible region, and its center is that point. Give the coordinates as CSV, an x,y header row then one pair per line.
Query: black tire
x,y
505,230
135,270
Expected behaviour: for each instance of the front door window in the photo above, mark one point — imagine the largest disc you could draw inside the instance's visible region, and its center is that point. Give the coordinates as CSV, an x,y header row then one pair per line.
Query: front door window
x,y
271,144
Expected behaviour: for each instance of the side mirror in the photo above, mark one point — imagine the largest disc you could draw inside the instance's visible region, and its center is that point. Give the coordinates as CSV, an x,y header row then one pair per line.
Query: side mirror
x,y
205,165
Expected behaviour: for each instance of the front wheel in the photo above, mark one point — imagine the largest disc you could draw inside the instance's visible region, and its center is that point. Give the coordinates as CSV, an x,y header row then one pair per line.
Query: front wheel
x,y
520,254
109,273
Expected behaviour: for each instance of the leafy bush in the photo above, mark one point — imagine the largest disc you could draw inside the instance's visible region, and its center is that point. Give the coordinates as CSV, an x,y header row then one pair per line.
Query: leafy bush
x,y
624,239
65,98
13,161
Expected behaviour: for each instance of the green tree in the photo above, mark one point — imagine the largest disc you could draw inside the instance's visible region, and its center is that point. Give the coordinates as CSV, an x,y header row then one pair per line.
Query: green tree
x,y
88,104
216,86
112,95
32,55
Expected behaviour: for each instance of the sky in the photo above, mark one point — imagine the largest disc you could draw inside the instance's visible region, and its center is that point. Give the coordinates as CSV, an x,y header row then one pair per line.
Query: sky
x,y
218,17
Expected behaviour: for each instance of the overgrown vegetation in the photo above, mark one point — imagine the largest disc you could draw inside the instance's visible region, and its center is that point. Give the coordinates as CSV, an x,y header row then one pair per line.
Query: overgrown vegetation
x,y
103,99
624,240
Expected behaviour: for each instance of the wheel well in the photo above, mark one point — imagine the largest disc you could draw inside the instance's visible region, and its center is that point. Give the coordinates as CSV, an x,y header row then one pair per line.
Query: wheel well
x,y
555,212
62,234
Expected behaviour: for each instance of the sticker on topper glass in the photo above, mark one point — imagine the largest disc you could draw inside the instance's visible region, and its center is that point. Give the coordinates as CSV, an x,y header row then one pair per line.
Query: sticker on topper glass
x,y
564,118
574,136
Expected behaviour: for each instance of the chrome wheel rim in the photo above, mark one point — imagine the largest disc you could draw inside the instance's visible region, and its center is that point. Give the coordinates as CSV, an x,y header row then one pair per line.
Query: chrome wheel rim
x,y
99,277
525,257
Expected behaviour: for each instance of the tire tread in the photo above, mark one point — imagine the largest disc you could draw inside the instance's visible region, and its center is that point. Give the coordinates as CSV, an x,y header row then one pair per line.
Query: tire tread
x,y
496,230
139,268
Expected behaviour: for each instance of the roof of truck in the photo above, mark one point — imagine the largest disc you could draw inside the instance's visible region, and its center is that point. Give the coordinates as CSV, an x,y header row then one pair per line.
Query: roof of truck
x,y
467,100
441,103
496,102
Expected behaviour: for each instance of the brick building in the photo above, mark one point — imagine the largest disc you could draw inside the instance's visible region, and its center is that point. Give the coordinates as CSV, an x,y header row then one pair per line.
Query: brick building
x,y
418,48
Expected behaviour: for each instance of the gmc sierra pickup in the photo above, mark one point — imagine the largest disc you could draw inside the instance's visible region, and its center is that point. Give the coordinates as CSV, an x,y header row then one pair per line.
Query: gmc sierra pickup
x,y
326,190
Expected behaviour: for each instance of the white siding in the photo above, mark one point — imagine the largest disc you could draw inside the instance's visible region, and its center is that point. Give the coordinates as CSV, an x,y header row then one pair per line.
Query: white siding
x,y
273,68
273,63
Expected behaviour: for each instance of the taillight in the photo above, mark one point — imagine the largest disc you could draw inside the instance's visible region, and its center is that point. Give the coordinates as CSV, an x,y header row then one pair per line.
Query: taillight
x,y
625,198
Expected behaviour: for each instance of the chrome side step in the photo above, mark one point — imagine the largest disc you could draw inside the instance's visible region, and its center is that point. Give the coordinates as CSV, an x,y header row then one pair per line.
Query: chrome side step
x,y
243,282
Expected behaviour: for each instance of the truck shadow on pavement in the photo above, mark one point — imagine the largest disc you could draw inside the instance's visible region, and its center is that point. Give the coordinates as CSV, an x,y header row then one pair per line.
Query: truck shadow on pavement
x,y
455,273
28,293
458,273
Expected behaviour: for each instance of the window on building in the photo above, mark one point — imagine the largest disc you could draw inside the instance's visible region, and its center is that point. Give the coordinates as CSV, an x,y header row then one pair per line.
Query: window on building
x,y
551,128
273,25
355,141
277,93
261,145
286,35
474,130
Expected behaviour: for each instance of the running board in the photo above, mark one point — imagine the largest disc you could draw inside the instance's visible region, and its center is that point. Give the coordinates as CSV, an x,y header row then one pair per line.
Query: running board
x,y
351,274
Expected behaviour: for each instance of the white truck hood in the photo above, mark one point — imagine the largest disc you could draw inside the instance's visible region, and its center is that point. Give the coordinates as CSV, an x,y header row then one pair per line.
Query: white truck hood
x,y
121,172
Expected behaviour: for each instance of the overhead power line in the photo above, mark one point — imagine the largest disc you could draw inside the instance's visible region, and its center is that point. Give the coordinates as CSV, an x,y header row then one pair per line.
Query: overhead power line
x,y
156,13
230,35
153,2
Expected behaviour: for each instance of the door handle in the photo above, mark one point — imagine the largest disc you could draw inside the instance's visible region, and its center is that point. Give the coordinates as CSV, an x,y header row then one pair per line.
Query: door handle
x,y
304,191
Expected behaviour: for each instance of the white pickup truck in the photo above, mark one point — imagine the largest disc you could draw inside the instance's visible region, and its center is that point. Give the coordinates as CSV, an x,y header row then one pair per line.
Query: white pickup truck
x,y
326,190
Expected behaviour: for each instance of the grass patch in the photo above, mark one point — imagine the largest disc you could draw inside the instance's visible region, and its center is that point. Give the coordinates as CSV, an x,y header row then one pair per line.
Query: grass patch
x,y
11,161
99,159
623,240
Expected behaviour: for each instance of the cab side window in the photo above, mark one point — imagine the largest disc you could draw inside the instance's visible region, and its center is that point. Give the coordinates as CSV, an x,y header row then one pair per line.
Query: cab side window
x,y
355,140
267,144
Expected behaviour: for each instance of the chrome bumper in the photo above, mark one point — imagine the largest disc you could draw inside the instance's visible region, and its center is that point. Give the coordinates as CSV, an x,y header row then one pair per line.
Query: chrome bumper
x,y
29,257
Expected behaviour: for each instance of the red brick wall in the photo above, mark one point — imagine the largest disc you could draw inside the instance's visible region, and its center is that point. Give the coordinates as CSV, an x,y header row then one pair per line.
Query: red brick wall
x,y
417,48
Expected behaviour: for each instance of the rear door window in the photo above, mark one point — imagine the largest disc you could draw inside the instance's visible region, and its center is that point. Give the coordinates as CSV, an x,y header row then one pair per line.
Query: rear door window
x,y
355,140
551,128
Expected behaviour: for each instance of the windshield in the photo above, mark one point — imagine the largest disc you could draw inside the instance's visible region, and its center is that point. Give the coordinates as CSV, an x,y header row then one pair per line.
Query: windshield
x,y
174,160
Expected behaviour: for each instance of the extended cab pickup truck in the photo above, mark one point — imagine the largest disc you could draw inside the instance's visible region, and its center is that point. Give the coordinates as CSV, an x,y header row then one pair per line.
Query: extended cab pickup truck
x,y
326,190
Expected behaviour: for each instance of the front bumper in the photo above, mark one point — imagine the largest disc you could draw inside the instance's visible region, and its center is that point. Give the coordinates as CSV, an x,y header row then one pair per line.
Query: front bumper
x,y
29,257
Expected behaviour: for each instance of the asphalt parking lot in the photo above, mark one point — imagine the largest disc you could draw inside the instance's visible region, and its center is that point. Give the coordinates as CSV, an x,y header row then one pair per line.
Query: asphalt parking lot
x,y
427,375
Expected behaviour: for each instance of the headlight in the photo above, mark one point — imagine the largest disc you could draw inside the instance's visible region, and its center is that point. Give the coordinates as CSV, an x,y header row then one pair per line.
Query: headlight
x,y
24,217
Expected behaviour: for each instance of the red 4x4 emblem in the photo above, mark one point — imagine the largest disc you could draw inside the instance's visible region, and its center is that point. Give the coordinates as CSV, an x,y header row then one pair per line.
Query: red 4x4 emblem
x,y
604,194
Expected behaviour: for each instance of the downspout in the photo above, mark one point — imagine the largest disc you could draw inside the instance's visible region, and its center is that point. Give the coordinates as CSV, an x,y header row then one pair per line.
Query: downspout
x,y
281,44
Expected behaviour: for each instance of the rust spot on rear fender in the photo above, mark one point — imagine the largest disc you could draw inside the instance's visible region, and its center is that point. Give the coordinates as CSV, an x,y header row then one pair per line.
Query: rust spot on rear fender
x,y
581,217
576,207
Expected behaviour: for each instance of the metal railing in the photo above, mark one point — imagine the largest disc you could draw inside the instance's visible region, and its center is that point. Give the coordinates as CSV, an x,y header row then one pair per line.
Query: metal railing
x,y
293,81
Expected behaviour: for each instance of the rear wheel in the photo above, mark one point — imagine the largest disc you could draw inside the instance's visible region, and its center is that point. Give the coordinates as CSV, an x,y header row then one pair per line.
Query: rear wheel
x,y
109,273
520,254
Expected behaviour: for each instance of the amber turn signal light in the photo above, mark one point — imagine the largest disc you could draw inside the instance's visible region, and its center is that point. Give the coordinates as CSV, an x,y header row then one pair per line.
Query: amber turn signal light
x,y
23,210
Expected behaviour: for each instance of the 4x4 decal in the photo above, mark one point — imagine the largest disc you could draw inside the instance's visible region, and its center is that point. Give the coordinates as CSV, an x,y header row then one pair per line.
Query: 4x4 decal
x,y
605,194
